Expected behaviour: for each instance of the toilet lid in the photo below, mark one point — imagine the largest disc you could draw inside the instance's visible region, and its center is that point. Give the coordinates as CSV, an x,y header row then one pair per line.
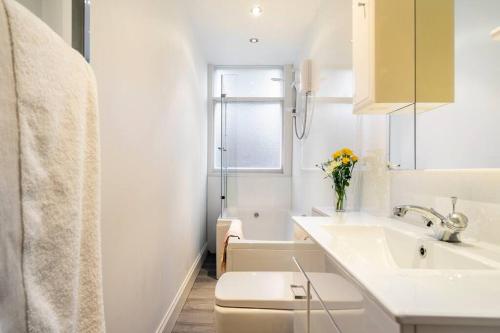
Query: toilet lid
x,y
272,290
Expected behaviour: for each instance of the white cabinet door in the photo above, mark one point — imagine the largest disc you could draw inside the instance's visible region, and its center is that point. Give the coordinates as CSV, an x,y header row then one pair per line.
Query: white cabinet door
x,y
319,303
362,52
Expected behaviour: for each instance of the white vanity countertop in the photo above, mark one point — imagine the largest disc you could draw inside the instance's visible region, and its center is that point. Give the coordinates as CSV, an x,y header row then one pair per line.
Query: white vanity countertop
x,y
409,295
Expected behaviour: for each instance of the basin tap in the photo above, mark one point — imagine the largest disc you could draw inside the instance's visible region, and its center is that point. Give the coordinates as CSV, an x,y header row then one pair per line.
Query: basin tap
x,y
447,228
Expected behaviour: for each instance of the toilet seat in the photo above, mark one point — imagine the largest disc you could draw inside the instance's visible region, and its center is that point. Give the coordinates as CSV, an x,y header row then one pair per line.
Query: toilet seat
x,y
271,290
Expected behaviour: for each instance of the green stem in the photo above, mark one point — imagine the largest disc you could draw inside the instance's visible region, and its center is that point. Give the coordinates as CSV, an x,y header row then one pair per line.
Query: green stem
x,y
340,199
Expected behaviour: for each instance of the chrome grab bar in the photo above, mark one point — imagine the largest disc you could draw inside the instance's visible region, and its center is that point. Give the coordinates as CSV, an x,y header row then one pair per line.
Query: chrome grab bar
x,y
309,296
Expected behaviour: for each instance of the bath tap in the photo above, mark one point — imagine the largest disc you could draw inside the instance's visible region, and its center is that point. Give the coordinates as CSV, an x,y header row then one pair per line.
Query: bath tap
x,y
447,228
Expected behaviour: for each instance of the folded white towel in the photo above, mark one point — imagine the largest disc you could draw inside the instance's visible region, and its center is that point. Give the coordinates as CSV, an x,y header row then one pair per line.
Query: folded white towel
x,y
12,301
59,158
235,230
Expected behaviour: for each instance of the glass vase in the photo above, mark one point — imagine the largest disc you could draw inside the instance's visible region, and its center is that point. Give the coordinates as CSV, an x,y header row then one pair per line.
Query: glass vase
x,y
339,207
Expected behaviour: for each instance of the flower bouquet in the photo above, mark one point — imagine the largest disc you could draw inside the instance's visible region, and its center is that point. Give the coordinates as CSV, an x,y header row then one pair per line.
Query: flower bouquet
x,y
339,168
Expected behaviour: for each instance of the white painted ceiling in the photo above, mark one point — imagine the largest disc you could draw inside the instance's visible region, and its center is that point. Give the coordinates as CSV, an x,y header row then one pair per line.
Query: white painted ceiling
x,y
223,28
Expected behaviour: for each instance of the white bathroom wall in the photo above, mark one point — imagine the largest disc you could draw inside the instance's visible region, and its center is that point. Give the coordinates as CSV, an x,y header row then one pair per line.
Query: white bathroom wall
x,y
56,13
35,6
331,126
478,190
152,98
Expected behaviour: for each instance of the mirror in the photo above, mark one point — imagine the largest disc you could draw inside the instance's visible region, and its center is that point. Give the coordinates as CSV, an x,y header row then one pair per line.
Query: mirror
x,y
457,112
68,18
401,126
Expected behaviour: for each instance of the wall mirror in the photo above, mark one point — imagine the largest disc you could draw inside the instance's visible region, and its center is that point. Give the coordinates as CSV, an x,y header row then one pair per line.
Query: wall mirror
x,y
68,18
401,128
455,121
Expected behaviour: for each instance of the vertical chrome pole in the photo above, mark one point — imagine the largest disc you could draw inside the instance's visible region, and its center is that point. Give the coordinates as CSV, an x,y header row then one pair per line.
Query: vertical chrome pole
x,y
221,148
224,149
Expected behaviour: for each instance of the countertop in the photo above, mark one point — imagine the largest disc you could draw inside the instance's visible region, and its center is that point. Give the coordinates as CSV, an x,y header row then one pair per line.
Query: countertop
x,y
415,296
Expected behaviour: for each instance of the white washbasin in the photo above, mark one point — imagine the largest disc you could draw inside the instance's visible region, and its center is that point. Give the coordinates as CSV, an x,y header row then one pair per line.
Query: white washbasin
x,y
392,248
453,283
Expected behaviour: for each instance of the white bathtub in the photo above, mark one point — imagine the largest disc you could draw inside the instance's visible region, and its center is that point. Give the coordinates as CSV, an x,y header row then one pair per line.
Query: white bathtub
x,y
263,224
270,240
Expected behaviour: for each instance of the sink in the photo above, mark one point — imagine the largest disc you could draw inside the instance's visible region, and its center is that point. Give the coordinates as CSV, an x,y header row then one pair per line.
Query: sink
x,y
403,268
393,248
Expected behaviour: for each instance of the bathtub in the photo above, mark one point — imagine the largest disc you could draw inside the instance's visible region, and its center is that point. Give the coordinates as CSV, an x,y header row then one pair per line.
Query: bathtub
x,y
270,240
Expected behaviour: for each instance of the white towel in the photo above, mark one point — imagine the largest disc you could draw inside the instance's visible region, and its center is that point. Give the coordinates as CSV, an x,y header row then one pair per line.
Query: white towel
x,y
235,230
12,301
59,157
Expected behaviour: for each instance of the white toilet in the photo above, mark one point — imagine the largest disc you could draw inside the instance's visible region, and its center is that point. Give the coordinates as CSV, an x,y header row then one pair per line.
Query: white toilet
x,y
249,302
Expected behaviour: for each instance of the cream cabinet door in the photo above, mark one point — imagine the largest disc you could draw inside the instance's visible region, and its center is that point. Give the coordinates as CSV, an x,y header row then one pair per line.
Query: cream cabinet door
x,y
383,55
403,53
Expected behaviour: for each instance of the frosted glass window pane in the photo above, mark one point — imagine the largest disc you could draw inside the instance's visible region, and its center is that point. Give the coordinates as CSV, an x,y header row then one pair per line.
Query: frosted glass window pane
x,y
249,82
253,135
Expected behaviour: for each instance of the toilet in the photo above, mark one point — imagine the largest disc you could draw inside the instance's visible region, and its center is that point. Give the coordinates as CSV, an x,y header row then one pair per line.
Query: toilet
x,y
265,302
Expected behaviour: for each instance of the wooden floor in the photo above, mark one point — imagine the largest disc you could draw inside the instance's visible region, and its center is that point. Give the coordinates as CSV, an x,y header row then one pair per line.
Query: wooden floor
x,y
197,315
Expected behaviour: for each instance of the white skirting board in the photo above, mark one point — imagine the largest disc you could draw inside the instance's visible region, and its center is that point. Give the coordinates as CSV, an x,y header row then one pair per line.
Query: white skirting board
x,y
168,322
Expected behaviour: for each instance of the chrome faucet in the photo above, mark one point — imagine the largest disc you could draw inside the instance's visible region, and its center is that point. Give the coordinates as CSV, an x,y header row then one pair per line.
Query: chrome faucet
x,y
447,228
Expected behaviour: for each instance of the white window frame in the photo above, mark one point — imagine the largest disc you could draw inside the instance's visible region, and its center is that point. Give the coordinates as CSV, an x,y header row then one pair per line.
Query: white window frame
x,y
286,104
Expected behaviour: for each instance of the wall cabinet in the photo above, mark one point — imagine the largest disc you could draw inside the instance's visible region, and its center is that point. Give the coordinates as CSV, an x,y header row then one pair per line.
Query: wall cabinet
x,y
402,54
434,53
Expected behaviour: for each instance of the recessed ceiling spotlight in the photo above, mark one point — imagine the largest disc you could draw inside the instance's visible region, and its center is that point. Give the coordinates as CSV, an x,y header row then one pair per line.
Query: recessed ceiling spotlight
x,y
254,40
256,10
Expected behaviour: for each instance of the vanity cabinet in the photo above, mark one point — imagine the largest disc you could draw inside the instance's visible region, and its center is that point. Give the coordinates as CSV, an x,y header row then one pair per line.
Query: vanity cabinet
x,y
402,54
373,318
326,303
394,297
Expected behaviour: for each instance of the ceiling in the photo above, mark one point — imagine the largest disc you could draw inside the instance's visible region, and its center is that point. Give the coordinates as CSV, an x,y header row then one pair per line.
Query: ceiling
x,y
224,27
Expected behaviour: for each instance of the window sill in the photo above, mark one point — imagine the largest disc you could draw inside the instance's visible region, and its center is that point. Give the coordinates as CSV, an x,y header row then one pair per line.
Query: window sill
x,y
250,173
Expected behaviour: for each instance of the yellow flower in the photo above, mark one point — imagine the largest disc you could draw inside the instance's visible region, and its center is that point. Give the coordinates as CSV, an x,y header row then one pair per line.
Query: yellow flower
x,y
347,151
346,160
336,154
354,158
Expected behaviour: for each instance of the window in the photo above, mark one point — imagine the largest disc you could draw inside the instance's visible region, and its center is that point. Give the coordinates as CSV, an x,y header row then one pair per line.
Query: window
x,y
253,135
247,116
248,82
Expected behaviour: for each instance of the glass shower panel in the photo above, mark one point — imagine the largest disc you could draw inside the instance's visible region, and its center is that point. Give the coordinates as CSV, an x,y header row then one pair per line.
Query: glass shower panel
x,y
220,137
221,148
252,136
247,125
250,82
